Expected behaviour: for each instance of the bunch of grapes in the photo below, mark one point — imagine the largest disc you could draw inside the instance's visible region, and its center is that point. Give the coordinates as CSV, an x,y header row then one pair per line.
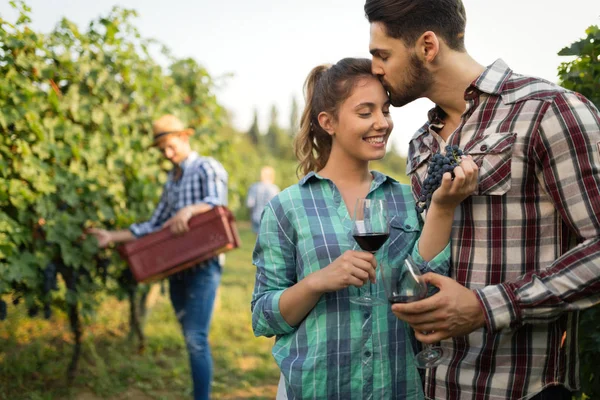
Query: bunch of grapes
x,y
49,284
2,310
438,166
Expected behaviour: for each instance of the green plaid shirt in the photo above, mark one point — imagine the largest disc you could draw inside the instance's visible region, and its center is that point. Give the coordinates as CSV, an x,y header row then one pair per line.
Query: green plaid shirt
x,y
340,350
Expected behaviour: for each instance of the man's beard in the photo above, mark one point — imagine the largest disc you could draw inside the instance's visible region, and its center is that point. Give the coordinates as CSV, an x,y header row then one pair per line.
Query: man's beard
x,y
417,83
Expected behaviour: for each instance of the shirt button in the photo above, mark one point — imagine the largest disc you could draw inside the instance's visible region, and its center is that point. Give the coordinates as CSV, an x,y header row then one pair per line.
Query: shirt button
x,y
408,226
367,353
483,147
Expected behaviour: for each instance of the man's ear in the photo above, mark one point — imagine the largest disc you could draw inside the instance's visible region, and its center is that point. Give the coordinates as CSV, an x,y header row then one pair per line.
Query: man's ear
x,y
428,46
327,122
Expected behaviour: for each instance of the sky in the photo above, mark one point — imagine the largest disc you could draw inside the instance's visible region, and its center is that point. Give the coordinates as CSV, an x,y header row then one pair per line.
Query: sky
x,y
264,49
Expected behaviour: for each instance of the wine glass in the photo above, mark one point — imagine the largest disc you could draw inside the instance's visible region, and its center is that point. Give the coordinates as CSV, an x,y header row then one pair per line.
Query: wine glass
x,y
371,230
405,284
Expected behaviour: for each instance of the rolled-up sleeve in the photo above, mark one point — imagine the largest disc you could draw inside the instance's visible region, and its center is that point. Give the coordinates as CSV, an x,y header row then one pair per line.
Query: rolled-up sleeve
x,y
274,258
440,264
213,183
159,217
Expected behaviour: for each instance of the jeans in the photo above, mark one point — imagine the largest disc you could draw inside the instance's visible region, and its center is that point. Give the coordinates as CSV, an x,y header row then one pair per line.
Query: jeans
x,y
192,294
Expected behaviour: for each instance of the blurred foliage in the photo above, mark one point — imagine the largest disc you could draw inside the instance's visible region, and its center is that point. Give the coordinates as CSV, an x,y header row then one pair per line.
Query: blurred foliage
x,y
583,75
76,109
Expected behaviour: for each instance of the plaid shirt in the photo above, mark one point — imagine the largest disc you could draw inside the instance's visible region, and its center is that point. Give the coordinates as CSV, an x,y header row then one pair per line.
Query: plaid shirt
x,y
528,242
259,194
203,180
340,350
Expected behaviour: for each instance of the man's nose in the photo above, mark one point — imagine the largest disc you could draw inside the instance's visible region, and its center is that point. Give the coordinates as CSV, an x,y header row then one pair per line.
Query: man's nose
x,y
376,70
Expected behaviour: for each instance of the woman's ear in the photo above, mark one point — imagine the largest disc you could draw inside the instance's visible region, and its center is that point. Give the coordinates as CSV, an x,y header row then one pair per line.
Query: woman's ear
x,y
327,122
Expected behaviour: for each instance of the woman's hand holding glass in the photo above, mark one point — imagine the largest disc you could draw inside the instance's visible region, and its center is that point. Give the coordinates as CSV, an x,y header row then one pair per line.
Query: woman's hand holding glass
x,y
352,268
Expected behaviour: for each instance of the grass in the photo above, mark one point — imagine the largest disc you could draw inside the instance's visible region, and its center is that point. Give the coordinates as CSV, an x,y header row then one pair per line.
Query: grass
x,y
35,353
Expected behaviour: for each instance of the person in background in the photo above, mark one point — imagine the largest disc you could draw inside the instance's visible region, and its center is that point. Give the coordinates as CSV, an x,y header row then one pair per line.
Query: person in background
x,y
195,185
306,267
526,246
259,194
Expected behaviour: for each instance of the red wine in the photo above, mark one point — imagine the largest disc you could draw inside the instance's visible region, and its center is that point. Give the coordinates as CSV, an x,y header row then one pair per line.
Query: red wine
x,y
405,299
371,241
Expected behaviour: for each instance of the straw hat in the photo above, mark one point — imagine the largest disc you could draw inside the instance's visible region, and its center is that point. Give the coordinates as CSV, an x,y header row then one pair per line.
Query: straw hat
x,y
166,125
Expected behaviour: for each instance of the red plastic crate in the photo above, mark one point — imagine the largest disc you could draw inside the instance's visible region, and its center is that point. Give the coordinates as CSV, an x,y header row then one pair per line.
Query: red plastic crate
x,y
163,253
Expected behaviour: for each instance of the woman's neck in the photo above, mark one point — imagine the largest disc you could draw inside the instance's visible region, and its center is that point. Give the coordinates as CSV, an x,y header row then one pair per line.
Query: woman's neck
x,y
346,171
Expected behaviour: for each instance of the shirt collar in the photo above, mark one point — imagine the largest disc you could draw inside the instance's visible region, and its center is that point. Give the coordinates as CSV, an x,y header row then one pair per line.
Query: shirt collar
x,y
189,160
491,81
378,178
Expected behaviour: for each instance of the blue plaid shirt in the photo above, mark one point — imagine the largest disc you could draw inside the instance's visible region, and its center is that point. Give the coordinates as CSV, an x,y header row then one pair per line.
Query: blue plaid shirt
x,y
259,195
203,180
340,350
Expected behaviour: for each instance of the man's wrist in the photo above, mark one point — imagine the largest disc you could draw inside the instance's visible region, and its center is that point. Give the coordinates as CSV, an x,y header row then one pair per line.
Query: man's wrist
x,y
189,212
198,208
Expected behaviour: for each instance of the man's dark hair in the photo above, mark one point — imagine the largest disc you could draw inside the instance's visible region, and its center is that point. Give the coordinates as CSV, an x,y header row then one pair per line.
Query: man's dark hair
x,y
409,19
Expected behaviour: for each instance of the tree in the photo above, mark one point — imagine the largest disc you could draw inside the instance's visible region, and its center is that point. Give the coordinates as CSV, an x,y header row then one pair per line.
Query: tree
x,y
583,75
75,114
254,133
277,142
294,118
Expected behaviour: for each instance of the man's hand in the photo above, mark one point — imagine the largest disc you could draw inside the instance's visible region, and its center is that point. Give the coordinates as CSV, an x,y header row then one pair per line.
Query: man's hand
x,y
103,236
453,311
179,222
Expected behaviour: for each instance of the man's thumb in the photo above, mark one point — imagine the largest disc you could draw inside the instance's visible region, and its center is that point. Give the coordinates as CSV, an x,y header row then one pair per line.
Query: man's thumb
x,y
434,279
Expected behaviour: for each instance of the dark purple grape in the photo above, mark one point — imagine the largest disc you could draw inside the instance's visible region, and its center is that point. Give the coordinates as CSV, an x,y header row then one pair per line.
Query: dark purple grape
x,y
438,166
50,277
2,310
47,311
33,311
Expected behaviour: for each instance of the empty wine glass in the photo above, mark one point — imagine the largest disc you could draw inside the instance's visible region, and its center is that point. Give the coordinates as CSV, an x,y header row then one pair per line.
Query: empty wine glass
x,y
405,284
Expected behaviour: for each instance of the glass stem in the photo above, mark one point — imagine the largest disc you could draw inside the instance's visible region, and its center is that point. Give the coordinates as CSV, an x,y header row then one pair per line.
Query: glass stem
x,y
371,283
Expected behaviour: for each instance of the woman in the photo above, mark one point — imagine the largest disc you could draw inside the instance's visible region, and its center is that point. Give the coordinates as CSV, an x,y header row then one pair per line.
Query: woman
x,y
307,270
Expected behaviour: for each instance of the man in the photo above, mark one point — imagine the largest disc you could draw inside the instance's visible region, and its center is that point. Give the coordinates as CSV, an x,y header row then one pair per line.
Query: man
x,y
525,247
194,185
260,194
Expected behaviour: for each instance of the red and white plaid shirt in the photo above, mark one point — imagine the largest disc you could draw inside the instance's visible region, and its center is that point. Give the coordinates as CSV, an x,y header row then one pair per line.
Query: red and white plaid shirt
x,y
528,242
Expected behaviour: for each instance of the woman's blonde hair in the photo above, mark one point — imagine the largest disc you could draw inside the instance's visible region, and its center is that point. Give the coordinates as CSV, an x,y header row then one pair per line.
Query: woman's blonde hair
x,y
325,89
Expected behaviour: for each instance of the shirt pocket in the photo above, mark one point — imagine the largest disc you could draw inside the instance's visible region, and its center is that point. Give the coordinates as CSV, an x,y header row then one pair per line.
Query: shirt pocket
x,y
417,160
493,155
404,232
